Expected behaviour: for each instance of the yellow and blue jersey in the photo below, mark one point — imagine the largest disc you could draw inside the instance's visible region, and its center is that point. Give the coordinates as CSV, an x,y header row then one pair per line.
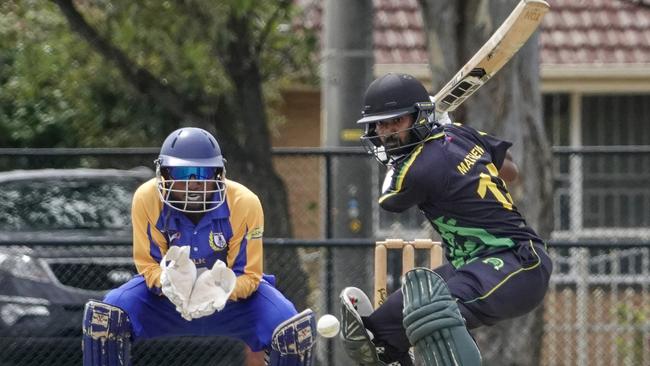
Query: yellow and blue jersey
x,y
453,179
231,233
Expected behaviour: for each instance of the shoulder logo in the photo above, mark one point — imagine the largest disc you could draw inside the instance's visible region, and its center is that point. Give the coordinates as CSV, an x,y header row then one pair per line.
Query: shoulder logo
x,y
217,241
255,233
174,236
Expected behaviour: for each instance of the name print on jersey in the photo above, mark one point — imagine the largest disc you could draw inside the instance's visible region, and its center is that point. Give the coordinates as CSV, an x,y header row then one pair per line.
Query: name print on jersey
x,y
470,159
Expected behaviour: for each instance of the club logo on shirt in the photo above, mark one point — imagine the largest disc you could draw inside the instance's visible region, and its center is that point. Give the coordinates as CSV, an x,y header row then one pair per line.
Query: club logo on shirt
x,y
497,263
217,241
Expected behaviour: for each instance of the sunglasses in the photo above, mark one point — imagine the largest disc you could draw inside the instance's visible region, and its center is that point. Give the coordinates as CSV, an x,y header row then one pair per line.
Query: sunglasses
x,y
192,172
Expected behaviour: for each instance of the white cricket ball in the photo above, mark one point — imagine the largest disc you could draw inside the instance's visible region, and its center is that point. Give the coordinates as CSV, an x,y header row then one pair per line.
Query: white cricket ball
x,y
328,326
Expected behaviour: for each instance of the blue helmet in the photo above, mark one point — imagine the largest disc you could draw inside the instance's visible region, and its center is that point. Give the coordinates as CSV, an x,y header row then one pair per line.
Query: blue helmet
x,y
191,146
190,171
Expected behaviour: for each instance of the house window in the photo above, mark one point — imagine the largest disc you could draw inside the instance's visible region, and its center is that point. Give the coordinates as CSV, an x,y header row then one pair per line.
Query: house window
x,y
558,127
600,193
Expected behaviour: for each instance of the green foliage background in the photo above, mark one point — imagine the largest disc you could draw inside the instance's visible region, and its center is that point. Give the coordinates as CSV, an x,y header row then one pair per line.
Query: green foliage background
x,y
56,91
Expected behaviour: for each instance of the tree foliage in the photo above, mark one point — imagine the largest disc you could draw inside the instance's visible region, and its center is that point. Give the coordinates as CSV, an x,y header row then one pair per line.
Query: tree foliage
x,y
54,92
59,89
123,73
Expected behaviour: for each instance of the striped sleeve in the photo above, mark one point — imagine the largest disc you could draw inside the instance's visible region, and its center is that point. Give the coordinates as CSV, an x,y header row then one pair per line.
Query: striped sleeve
x,y
400,190
245,253
149,244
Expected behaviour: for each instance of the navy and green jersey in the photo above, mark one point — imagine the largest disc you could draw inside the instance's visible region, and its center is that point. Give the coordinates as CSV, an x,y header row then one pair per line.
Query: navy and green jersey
x,y
453,179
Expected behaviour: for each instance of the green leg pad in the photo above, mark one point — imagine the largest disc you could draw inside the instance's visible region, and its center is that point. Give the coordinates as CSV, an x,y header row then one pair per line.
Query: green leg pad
x,y
433,322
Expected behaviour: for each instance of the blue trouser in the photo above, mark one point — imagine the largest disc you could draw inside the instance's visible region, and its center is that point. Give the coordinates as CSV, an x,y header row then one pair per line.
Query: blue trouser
x,y
251,320
487,292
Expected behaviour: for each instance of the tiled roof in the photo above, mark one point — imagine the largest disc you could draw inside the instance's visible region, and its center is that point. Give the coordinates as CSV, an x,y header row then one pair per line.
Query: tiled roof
x,y
574,32
399,36
596,32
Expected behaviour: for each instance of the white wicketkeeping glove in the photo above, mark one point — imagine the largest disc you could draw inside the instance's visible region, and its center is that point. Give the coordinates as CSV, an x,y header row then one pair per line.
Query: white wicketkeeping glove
x,y
211,290
177,277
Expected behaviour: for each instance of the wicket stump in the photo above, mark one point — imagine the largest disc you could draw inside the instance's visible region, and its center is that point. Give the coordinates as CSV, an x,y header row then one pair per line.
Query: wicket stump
x,y
408,260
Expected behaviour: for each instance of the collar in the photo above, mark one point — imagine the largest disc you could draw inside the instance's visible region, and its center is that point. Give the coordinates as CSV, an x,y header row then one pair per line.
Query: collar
x,y
172,219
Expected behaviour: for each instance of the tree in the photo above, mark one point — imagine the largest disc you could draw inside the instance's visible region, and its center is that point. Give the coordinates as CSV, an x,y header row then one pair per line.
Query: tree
x,y
55,93
202,63
122,73
147,68
509,106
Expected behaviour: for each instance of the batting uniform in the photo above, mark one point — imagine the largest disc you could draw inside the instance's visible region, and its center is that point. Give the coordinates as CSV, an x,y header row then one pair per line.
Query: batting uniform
x,y
497,265
231,233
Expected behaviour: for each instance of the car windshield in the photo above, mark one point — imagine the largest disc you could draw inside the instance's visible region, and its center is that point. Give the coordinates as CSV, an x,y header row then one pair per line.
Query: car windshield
x,y
65,204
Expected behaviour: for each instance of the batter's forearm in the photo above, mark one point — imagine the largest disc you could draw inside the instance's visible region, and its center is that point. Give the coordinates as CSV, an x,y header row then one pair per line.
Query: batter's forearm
x,y
509,171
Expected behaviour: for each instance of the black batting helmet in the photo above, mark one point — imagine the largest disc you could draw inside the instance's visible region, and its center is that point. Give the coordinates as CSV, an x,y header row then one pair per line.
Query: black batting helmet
x,y
391,96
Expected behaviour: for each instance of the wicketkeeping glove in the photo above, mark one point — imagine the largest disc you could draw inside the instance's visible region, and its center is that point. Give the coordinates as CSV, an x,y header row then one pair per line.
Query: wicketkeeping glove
x,y
211,290
177,277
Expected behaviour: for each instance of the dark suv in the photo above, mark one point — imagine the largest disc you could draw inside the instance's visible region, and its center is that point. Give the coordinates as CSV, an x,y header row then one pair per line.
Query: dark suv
x,y
65,237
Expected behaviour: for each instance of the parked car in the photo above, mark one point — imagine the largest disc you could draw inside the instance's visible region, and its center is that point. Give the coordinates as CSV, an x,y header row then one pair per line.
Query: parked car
x,y
65,237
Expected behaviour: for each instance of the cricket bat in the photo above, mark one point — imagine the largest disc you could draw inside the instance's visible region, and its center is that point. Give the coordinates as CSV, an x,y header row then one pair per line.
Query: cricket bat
x,y
495,53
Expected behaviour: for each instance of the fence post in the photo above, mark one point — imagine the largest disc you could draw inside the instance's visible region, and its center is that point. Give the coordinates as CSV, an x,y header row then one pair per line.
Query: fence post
x,y
328,251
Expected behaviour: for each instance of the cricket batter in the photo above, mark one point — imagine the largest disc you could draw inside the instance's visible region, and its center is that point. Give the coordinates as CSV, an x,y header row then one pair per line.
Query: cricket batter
x,y
497,266
197,245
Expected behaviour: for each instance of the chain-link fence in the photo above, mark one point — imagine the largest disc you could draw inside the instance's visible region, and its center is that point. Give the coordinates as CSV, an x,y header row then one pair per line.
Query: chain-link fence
x,y
595,313
56,254
598,307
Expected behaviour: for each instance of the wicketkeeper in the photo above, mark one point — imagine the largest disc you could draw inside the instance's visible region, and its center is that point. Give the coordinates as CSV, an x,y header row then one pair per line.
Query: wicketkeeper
x,y
497,266
197,245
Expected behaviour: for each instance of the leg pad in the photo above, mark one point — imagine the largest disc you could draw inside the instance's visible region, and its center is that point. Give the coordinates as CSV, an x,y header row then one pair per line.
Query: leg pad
x,y
293,341
433,322
106,335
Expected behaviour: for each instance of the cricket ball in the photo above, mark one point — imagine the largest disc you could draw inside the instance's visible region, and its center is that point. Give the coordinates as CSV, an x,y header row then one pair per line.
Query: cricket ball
x,y
328,326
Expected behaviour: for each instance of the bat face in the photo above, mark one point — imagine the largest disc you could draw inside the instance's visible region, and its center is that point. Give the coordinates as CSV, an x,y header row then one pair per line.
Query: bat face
x,y
496,52
461,89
